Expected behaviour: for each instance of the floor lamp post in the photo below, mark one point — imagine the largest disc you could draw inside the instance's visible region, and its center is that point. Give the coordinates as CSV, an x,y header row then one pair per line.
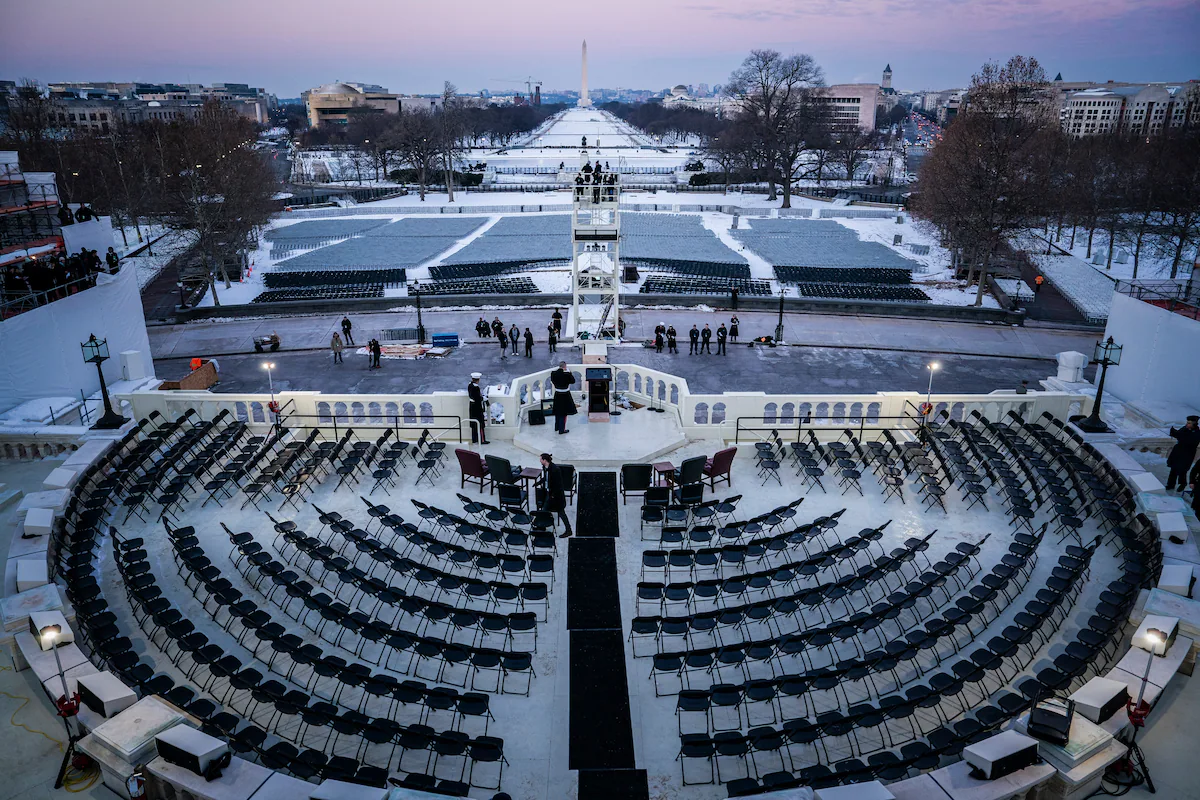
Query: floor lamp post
x,y
1106,354
95,351
779,325
272,406
1138,710
68,706
416,290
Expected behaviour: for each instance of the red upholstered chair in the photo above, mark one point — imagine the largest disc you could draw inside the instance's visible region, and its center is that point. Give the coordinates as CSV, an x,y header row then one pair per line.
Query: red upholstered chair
x,y
472,468
717,468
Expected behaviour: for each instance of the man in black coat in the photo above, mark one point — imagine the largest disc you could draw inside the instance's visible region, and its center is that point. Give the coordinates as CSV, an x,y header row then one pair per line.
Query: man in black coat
x,y
706,340
347,326
1180,459
476,408
693,341
528,343
552,337
113,260
556,494
564,404
722,334
672,344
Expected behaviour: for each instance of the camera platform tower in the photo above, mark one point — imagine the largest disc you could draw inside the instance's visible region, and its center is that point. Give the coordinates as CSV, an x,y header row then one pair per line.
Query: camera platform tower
x,y
595,258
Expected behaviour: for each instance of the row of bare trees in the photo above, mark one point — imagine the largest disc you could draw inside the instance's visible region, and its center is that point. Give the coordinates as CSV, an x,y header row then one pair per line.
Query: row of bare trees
x,y
200,176
783,130
1006,167
427,141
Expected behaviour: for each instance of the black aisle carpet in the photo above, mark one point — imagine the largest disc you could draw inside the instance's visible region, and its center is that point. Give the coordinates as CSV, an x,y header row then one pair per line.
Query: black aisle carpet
x,y
596,514
601,730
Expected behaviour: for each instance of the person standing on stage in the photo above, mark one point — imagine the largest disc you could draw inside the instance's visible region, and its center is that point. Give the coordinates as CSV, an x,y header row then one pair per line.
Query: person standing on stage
x,y
564,404
556,495
693,341
477,410
552,337
672,342
706,340
1180,459
722,334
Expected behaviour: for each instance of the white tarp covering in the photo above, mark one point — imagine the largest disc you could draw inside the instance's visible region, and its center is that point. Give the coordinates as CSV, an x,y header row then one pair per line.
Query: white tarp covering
x,y
95,234
39,350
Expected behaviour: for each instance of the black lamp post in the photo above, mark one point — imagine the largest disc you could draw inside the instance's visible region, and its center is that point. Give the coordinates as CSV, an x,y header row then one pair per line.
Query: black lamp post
x,y
416,290
1107,354
779,325
95,351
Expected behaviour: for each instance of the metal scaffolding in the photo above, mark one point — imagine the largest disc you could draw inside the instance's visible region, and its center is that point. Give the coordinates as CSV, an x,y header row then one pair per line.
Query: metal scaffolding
x,y
595,257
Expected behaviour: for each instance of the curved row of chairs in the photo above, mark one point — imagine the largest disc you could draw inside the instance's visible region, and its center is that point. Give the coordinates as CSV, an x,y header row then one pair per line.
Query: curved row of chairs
x,y
1058,461
81,531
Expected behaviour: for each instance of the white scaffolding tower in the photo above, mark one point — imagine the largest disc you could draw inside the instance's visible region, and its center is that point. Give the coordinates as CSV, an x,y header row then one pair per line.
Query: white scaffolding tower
x,y
595,260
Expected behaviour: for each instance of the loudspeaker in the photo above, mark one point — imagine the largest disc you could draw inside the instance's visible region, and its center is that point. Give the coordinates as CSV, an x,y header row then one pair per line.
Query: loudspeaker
x,y
537,416
1000,755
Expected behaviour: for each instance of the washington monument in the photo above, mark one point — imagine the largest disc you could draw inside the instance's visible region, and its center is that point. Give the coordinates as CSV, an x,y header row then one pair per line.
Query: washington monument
x,y
584,101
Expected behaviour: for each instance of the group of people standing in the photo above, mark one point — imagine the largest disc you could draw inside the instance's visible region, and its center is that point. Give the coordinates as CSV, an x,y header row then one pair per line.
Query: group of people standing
x,y
339,342
510,340
699,340
602,183
57,275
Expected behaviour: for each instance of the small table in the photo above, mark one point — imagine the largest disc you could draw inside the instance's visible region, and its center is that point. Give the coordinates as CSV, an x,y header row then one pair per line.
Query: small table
x,y
529,474
663,472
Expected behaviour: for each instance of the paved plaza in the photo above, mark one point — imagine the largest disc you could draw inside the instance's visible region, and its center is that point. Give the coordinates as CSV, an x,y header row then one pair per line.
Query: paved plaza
x,y
825,354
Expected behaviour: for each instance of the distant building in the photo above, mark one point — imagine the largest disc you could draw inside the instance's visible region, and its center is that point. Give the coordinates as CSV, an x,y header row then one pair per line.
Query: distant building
x,y
681,96
1137,109
97,105
888,97
337,103
852,104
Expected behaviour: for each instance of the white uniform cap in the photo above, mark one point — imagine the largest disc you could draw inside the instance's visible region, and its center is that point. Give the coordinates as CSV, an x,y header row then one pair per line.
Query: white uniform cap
x,y
476,376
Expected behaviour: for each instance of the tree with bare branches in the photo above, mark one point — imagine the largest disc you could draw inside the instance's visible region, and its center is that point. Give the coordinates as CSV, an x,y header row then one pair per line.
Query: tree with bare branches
x,y
981,184
776,96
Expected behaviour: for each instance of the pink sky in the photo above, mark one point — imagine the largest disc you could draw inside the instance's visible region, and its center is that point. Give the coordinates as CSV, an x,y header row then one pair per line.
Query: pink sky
x,y
414,46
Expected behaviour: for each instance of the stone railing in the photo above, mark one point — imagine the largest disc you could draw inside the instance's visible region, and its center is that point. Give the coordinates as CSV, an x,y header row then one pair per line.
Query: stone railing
x,y
728,415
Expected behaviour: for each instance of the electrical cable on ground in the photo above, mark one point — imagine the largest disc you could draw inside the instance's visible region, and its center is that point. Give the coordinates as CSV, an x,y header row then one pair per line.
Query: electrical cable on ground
x,y
77,779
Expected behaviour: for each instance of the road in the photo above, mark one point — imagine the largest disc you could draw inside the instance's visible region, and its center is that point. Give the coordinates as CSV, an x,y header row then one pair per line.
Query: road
x,y
828,353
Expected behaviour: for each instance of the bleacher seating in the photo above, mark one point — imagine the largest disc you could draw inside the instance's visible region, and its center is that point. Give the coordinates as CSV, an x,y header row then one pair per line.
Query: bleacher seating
x,y
852,291
669,284
490,269
877,275
288,280
358,291
522,285
676,266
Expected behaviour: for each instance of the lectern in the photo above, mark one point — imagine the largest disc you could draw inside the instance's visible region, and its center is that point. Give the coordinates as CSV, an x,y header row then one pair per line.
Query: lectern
x,y
599,382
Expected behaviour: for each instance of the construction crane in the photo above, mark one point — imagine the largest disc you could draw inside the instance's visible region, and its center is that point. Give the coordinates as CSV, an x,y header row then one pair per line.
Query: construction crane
x,y
528,81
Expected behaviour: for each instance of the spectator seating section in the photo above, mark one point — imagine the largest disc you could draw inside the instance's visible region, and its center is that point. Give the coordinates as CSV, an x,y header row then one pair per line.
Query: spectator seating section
x,y
668,284
326,292
863,291
307,278
522,285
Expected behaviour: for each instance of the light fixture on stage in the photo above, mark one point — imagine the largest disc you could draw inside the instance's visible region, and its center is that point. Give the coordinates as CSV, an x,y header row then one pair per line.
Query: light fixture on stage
x,y
95,351
49,637
1107,354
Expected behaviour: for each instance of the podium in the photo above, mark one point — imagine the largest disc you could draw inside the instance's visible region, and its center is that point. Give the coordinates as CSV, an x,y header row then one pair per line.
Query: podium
x,y
599,385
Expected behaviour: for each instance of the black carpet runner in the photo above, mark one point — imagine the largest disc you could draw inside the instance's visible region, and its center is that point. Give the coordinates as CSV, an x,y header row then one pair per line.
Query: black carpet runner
x,y
601,733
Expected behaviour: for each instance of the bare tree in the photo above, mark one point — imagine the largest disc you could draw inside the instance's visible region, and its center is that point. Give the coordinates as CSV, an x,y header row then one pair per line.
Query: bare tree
x,y
419,145
981,183
212,184
727,151
776,97
850,149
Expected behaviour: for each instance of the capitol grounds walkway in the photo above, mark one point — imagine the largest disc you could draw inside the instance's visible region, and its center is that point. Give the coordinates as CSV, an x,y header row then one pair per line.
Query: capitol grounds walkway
x,y
826,353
